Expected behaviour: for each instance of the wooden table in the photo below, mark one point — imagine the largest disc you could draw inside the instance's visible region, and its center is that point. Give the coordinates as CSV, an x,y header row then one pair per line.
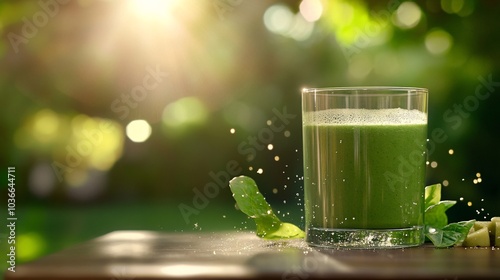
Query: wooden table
x,y
134,255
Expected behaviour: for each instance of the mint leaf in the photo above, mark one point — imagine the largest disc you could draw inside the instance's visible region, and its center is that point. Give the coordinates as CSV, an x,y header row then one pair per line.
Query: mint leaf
x,y
252,202
432,195
435,215
437,229
449,235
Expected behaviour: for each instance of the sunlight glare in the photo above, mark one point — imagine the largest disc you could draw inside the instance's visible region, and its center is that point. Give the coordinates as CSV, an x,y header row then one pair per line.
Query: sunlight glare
x,y
148,8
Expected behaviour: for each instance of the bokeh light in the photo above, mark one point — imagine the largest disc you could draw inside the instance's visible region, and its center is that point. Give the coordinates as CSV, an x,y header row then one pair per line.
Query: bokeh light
x,y
29,245
42,180
438,42
46,124
278,18
408,15
97,142
311,10
138,130
281,20
460,7
184,112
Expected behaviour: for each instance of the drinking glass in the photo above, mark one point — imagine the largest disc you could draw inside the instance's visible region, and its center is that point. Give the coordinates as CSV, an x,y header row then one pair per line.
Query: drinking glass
x,y
364,166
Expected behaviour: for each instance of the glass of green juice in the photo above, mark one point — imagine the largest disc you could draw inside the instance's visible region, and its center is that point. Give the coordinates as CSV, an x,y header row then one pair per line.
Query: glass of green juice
x,y
364,166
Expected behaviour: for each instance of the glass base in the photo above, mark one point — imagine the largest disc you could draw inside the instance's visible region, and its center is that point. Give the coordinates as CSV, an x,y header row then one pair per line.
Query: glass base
x,y
365,238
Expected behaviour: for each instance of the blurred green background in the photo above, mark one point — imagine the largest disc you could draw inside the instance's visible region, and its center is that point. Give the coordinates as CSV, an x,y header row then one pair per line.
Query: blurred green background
x,y
118,114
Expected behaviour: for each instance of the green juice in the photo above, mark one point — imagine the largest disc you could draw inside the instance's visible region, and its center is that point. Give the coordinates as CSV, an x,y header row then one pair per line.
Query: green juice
x,y
364,169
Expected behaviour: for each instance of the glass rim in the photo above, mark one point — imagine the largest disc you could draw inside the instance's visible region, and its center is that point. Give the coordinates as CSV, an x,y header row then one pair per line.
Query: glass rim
x,y
359,90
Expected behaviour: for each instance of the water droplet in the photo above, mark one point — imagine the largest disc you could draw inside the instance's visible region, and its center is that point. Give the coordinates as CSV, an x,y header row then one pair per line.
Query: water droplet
x,y
260,171
232,130
469,203
287,133
478,174
276,158
275,190
461,199
446,183
451,152
270,147
434,164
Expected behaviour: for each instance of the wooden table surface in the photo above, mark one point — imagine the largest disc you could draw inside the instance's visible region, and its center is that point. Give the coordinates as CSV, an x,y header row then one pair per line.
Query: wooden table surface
x,y
134,255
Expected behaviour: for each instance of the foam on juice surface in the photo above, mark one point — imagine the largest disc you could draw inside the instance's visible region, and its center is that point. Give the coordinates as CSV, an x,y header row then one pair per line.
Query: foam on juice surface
x,y
396,116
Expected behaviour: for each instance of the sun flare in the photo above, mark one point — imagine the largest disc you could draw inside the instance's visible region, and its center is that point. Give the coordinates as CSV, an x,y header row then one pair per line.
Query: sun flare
x,y
155,8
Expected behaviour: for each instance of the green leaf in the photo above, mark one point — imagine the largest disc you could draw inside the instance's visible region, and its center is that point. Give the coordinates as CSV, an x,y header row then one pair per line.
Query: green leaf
x,y
286,231
452,234
252,202
432,195
435,215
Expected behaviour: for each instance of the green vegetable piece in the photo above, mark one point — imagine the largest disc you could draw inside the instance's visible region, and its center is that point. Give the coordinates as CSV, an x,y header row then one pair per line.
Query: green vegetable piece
x,y
487,224
435,215
432,195
479,238
252,202
449,235
496,240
